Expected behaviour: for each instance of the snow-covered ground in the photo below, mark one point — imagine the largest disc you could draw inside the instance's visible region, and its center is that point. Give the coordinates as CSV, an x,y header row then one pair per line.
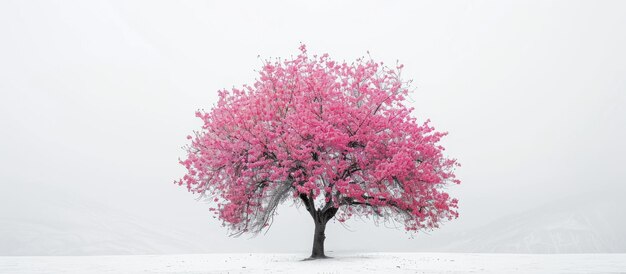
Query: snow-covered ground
x,y
340,263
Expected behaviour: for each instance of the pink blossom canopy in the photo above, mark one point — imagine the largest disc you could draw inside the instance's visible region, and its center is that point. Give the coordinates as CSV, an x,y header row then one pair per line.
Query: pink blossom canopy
x,y
337,135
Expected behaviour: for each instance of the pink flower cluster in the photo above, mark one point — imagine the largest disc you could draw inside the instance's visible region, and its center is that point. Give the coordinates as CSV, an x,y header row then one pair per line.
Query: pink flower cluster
x,y
314,126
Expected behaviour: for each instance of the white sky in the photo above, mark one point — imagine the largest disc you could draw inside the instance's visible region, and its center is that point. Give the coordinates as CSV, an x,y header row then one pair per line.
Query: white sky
x,y
96,99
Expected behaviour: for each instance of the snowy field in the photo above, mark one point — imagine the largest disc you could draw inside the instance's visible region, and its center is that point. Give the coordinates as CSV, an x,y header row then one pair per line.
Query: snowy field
x,y
341,263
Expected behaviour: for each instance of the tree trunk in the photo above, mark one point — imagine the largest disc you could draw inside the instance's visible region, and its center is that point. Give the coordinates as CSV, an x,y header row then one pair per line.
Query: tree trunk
x,y
320,218
318,241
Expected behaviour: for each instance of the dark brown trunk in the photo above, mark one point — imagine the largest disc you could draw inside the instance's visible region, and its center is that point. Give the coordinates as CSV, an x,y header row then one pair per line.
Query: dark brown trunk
x,y
318,241
320,218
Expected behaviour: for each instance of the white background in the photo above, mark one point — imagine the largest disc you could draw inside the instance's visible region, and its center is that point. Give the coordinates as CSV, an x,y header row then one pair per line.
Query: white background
x,y
96,98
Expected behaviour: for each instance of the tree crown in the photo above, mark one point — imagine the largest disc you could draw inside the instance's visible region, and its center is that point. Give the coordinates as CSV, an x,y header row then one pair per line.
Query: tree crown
x,y
339,137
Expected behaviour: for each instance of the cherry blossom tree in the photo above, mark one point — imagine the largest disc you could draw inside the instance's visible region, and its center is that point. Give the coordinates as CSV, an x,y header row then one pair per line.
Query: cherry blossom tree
x,y
337,138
